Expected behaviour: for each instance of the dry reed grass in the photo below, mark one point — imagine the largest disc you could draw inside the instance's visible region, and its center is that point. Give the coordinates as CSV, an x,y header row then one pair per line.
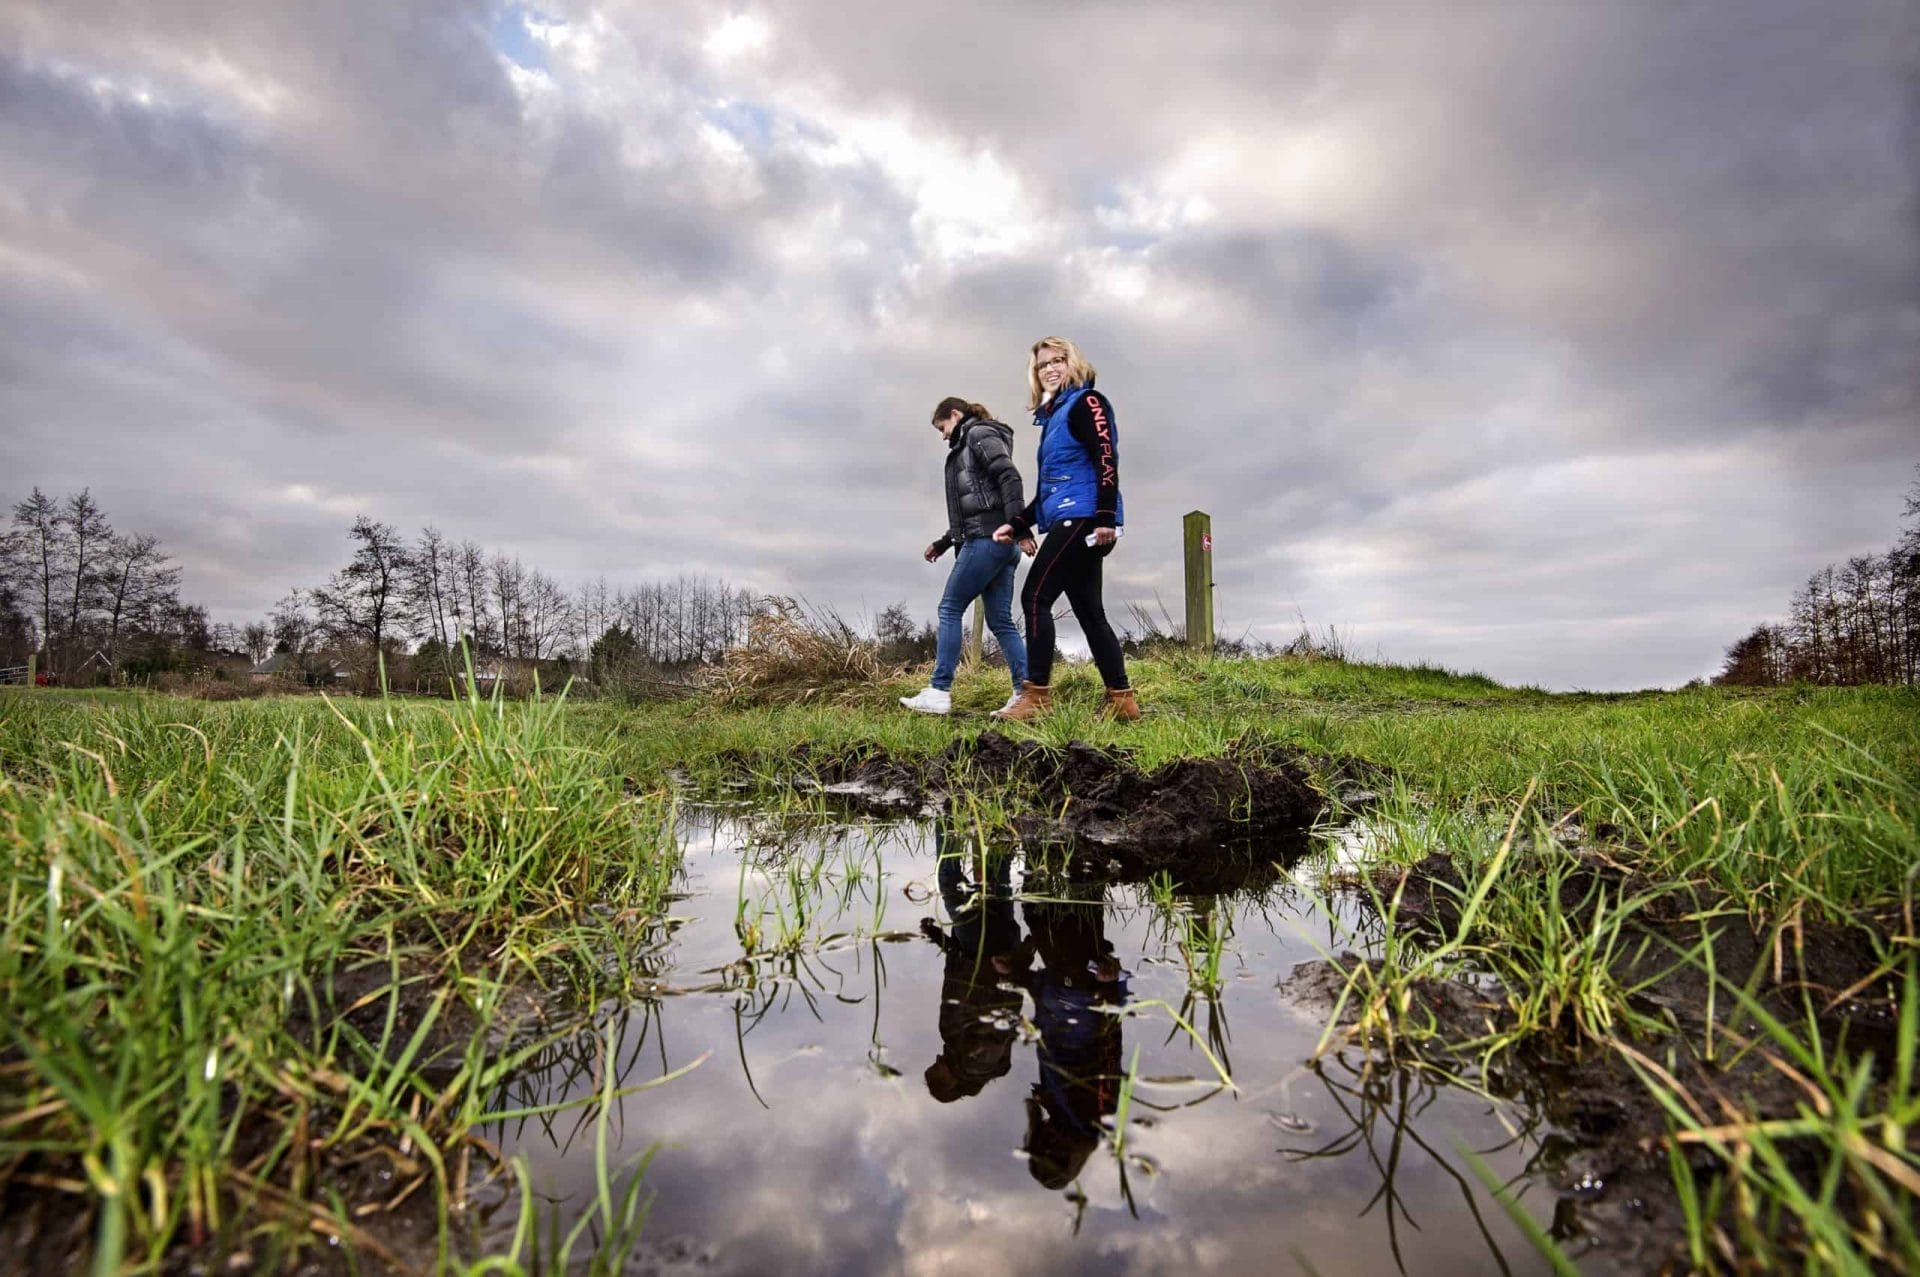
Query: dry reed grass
x,y
795,653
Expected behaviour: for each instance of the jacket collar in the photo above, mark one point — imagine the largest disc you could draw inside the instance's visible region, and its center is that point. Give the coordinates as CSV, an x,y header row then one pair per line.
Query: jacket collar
x,y
1064,399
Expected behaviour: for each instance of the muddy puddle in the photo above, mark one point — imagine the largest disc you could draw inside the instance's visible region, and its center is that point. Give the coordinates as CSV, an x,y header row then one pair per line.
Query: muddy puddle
x,y
929,1063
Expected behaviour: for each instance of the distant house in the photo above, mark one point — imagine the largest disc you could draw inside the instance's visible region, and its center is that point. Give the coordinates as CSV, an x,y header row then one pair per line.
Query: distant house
x,y
291,667
279,665
513,675
227,663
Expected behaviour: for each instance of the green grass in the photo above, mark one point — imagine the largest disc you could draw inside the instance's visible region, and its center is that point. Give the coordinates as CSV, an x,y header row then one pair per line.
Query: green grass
x,y
183,882
1778,797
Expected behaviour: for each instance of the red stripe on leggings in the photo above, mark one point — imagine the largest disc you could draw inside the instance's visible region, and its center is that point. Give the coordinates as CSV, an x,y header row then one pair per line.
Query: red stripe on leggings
x,y
1034,616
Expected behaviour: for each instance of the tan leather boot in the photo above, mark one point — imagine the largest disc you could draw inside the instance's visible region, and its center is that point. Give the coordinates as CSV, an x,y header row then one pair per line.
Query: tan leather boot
x,y
1122,705
1034,700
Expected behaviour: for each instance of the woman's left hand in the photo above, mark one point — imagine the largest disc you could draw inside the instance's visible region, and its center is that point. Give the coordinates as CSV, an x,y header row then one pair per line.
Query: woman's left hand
x,y
1104,536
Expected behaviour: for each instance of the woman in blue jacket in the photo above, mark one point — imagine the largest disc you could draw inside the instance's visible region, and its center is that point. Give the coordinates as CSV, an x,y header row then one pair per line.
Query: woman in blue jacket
x,y
1077,505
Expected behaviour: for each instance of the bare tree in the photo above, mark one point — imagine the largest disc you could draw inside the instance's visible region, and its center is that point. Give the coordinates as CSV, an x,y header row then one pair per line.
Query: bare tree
x,y
546,618
431,586
16,627
365,604
187,626
507,579
1859,623
38,553
592,615
256,640
86,535
292,624
138,583
470,589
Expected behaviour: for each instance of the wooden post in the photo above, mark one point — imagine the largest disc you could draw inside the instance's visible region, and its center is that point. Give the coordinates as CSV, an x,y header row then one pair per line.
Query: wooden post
x,y
33,666
1199,531
977,638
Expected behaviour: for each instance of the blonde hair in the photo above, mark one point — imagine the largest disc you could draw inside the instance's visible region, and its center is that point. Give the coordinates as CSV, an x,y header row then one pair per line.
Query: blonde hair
x,y
1079,371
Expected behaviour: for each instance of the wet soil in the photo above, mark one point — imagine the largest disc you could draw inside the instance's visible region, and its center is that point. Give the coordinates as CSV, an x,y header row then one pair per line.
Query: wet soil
x,y
412,990
383,1001
1618,1170
1208,822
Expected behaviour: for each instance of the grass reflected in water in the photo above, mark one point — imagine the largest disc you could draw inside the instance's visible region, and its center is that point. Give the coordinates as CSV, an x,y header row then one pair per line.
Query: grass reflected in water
x,y
919,1041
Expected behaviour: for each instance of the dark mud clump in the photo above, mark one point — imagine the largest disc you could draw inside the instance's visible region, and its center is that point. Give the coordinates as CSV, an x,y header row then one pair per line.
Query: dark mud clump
x,y
1198,818
403,1006
1429,895
1174,817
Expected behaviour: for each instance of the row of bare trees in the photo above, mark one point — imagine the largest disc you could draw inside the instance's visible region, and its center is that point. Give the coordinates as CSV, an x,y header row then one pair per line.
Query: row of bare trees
x,y
81,595
96,606
443,595
1857,622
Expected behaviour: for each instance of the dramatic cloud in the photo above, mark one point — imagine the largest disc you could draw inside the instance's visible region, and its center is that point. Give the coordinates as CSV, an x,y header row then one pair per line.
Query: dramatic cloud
x,y
1559,342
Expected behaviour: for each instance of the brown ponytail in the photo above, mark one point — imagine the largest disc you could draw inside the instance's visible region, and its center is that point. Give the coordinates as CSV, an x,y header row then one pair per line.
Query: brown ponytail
x,y
954,403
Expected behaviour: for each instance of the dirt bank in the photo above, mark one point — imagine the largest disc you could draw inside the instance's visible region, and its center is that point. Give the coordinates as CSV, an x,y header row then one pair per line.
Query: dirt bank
x,y
1618,1173
1206,820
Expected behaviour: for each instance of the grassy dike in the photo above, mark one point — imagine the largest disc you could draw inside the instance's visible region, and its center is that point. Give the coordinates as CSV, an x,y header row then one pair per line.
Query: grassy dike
x,y
235,933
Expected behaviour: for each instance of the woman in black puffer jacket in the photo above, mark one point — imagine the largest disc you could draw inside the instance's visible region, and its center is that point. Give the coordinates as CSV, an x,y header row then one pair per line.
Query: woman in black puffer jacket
x,y
983,492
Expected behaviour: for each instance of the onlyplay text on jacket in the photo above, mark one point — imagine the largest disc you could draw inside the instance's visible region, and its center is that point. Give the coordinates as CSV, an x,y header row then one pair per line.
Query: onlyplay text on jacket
x,y
1079,462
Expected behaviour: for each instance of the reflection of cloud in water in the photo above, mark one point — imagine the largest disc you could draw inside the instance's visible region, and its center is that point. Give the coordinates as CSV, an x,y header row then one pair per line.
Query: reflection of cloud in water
x,y
849,1170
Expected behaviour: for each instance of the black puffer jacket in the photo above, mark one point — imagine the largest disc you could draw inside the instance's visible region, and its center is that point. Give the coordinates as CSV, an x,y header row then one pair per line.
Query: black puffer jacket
x,y
983,484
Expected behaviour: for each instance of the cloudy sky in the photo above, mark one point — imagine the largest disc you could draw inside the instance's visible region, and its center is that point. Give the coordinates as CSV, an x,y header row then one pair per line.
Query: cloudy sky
x,y
1557,341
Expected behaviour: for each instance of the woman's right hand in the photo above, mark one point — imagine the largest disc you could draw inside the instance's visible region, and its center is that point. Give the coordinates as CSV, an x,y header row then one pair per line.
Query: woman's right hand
x,y
933,551
1029,546
1004,534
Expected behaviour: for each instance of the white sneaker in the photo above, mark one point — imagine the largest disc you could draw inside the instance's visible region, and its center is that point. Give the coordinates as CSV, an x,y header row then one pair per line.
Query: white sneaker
x,y
1011,702
930,700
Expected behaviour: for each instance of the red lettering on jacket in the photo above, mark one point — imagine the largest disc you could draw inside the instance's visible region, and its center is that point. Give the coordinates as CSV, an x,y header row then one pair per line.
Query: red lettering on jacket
x,y
1105,431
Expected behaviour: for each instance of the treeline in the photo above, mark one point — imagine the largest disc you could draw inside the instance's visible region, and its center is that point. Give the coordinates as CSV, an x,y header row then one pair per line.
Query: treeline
x,y
425,608
1858,622
95,606
82,596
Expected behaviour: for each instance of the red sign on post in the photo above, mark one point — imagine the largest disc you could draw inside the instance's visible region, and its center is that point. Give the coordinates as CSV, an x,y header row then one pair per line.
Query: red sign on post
x,y
1206,542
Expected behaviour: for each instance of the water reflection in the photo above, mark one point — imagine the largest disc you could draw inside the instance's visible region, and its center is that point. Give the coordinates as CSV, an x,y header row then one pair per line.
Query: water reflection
x,y
1076,988
851,1117
1382,1115
979,1012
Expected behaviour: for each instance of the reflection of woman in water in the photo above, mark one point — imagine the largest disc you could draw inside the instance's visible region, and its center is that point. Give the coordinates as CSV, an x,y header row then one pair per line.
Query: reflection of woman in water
x,y
1080,1071
978,1018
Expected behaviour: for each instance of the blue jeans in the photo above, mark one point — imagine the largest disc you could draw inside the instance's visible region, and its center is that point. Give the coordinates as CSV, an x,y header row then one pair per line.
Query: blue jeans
x,y
982,569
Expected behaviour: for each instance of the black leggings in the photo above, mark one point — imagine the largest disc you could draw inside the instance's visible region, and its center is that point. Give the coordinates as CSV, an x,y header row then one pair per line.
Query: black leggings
x,y
1067,565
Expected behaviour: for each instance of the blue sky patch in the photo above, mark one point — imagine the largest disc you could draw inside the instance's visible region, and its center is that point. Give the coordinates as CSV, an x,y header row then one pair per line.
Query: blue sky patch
x,y
509,35
749,122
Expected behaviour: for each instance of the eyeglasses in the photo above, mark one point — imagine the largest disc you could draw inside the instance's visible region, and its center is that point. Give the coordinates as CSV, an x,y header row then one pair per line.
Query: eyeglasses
x,y
1058,361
